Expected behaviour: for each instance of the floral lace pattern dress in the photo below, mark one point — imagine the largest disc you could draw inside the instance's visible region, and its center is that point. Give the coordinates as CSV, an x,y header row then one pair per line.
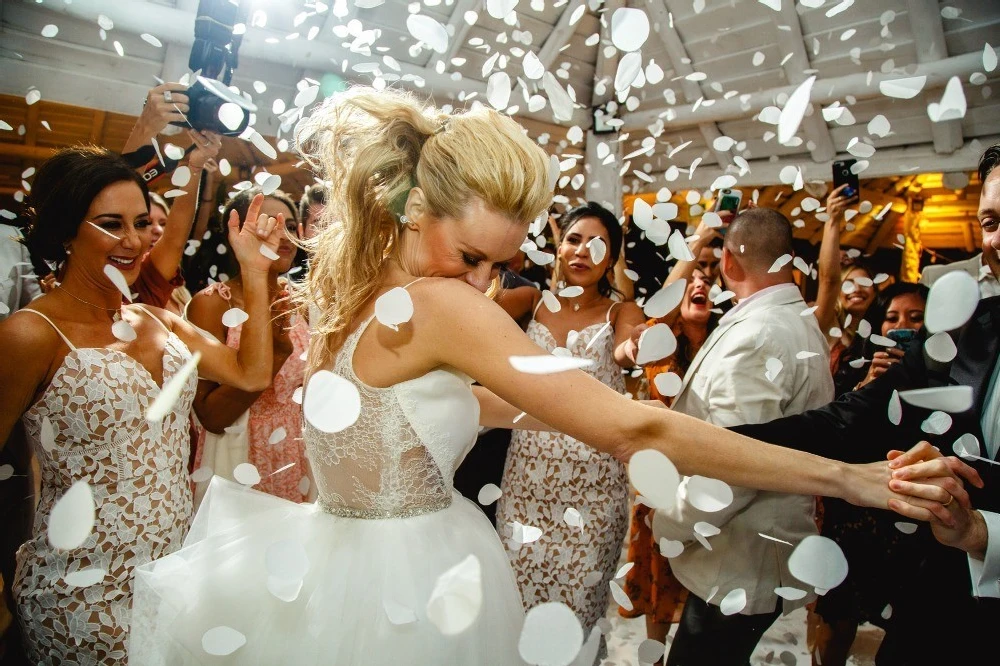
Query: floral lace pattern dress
x,y
547,473
90,425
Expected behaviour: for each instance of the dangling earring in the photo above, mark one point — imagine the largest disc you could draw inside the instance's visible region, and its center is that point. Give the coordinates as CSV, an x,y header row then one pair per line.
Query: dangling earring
x,y
403,219
67,250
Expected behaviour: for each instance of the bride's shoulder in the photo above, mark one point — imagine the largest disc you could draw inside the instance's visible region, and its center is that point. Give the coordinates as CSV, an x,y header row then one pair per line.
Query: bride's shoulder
x,y
450,293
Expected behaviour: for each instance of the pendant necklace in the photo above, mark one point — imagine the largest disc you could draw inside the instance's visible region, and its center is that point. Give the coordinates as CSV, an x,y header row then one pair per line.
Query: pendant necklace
x,y
116,316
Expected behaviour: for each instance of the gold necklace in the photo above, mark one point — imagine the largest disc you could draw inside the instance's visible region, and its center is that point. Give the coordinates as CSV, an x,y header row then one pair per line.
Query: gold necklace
x,y
117,316
577,306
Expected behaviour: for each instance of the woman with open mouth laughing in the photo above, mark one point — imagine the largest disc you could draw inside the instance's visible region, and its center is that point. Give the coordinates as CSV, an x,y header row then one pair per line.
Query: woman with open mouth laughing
x,y
548,473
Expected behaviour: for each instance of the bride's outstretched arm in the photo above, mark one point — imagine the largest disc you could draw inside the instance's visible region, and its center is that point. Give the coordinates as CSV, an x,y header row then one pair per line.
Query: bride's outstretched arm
x,y
495,412
463,329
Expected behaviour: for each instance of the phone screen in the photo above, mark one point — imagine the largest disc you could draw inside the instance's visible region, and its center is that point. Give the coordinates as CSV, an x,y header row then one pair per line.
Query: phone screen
x,y
903,337
729,202
842,175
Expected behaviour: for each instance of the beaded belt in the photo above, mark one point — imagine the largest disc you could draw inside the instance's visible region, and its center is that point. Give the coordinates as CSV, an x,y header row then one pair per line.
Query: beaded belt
x,y
374,514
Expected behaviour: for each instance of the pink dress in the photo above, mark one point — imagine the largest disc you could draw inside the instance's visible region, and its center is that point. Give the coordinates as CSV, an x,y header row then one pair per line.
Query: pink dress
x,y
275,424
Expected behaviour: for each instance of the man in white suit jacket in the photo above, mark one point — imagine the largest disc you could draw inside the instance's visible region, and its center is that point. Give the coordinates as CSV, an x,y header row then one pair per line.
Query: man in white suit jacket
x,y
766,359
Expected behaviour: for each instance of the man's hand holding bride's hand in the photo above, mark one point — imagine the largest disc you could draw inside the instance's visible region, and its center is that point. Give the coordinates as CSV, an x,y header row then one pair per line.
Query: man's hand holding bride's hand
x,y
933,485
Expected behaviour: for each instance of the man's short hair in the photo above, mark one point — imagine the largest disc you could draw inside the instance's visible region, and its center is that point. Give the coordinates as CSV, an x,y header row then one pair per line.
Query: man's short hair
x,y
989,161
758,236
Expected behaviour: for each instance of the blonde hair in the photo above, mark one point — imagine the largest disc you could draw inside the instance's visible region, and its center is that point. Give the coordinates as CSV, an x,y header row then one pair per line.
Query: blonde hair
x,y
373,147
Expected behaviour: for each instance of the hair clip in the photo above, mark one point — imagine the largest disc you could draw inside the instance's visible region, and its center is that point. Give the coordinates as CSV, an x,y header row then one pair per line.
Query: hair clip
x,y
442,128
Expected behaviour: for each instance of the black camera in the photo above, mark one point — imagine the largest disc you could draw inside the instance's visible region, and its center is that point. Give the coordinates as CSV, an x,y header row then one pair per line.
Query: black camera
x,y
212,105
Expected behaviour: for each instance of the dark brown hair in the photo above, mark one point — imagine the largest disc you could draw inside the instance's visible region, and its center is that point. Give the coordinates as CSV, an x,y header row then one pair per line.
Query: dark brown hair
x,y
62,192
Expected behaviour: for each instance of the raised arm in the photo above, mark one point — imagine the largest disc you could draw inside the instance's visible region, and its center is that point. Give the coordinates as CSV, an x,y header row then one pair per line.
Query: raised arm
x,y
166,254
248,369
157,113
628,323
481,342
828,290
683,270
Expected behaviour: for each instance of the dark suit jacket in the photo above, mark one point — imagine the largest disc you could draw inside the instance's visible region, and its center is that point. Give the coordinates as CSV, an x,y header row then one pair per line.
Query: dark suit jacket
x,y
856,428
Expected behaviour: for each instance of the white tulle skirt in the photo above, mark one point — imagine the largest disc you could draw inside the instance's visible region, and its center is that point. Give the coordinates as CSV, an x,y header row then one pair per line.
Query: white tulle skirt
x,y
359,572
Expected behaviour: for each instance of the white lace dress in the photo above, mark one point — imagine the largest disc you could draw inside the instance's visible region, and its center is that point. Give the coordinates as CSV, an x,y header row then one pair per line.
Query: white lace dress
x,y
345,581
137,470
547,473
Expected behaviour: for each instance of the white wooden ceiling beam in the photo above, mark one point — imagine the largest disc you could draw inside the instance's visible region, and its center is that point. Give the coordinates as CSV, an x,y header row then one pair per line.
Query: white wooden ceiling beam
x,y
791,42
458,28
560,35
885,163
681,64
928,34
824,91
172,25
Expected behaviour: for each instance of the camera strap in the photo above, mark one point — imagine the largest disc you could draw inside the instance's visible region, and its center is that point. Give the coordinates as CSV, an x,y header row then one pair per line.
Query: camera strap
x,y
147,162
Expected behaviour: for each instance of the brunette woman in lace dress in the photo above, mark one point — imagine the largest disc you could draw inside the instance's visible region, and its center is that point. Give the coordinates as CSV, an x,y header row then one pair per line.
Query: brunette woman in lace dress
x,y
80,369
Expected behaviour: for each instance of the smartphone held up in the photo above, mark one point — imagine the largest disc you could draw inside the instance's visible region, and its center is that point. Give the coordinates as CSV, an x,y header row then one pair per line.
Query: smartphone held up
x,y
843,175
728,200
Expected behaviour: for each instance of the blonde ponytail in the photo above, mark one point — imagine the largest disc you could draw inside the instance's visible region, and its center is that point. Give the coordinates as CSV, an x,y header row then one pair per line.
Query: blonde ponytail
x,y
373,147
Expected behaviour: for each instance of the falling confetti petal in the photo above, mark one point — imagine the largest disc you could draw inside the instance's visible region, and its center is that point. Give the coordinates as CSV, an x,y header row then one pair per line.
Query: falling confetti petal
x,y
231,115
989,58
427,30
655,343
488,494
85,577
665,300
709,495
598,249
123,331
937,423
790,593
734,602
118,280
331,403
202,474
780,263
668,383
222,641
457,597
941,347
71,520
951,302
498,90
794,110
247,474
902,88
678,247
6,471
952,105
818,562
966,446
954,399
671,548
171,391
394,307
895,408
551,635
878,126
620,597
150,39
651,651
629,28
50,30
548,364
654,477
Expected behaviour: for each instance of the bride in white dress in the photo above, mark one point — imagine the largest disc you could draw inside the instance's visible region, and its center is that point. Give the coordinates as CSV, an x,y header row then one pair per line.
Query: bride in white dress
x,y
391,566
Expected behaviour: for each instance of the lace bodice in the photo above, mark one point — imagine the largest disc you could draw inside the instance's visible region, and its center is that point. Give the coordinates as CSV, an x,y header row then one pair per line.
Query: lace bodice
x,y
90,425
400,456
